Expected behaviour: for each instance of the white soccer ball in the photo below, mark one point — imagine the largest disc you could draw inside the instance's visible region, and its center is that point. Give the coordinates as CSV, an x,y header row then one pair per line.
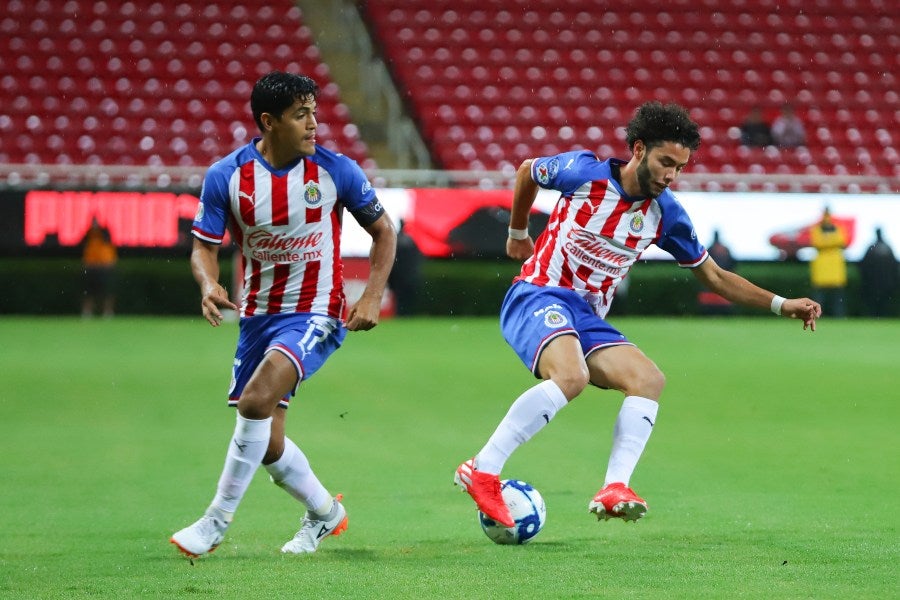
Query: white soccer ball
x,y
527,509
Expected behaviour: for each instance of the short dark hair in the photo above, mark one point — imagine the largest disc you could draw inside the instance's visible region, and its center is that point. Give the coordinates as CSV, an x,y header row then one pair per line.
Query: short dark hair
x,y
276,91
655,123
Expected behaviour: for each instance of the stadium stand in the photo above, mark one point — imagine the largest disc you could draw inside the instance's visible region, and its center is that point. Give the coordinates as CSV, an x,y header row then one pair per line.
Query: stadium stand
x,y
495,81
125,83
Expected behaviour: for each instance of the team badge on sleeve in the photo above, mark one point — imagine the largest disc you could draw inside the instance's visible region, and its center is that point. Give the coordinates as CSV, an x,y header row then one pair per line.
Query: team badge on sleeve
x,y
200,211
547,171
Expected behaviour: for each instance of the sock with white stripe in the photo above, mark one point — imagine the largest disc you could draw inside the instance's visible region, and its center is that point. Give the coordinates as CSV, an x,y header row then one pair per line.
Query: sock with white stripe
x,y
630,434
528,414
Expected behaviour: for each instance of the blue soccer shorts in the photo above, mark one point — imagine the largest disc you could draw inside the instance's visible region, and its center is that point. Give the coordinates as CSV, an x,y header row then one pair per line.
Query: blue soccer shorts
x,y
307,340
532,316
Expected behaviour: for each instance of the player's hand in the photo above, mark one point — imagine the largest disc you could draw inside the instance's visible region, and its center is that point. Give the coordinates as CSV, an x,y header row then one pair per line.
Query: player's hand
x,y
802,308
364,315
214,297
519,249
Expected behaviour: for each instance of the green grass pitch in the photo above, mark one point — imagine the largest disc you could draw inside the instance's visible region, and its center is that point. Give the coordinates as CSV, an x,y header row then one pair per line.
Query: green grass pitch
x,y
773,471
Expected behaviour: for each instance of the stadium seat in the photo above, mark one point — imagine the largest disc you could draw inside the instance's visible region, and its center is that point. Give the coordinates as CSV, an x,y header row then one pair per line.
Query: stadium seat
x,y
725,58
165,61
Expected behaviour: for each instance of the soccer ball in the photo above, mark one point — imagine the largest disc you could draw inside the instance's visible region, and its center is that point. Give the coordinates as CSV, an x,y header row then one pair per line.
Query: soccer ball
x,y
527,509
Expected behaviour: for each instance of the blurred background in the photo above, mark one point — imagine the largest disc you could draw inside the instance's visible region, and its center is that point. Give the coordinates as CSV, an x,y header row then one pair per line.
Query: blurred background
x,y
111,111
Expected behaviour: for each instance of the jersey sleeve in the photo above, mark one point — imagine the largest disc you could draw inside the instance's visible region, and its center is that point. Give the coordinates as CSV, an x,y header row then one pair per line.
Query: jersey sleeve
x,y
678,237
564,172
212,213
357,194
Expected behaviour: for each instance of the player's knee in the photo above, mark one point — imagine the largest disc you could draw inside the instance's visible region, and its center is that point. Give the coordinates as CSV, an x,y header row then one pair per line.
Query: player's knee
x,y
253,405
649,383
571,381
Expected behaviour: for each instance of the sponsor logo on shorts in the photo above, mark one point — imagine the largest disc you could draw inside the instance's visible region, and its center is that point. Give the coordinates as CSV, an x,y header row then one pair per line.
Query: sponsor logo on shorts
x,y
555,319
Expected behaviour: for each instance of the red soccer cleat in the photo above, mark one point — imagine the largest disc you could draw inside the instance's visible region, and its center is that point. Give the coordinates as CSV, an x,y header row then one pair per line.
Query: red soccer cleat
x,y
485,491
617,500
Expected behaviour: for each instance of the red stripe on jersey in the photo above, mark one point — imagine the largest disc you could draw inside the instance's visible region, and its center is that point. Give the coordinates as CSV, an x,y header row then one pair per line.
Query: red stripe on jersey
x,y
547,242
247,193
336,300
588,208
276,293
279,200
250,307
612,222
309,286
311,173
584,274
565,275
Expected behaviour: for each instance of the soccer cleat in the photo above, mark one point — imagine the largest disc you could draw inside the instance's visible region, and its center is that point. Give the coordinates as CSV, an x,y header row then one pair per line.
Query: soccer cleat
x,y
312,531
485,491
202,537
616,500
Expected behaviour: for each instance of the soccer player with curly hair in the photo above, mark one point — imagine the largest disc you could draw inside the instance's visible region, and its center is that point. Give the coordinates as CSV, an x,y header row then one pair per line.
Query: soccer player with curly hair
x,y
554,314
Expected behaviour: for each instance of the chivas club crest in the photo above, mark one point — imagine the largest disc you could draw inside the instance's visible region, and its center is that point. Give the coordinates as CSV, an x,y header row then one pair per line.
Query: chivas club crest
x,y
637,222
312,194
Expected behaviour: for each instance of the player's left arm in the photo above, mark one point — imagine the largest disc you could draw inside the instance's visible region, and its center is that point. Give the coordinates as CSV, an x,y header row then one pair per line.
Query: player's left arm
x,y
365,313
735,288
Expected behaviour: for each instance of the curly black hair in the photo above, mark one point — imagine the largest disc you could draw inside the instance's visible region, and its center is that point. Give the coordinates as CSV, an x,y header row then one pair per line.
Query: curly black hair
x,y
655,123
276,91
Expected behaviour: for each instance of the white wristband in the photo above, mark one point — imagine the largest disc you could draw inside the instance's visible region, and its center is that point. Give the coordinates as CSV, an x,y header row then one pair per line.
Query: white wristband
x,y
518,234
777,301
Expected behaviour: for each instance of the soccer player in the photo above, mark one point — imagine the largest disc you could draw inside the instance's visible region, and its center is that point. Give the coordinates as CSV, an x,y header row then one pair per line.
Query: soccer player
x,y
554,315
282,197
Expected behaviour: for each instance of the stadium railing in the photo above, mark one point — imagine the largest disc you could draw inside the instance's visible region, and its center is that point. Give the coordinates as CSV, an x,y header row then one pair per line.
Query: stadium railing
x,y
18,176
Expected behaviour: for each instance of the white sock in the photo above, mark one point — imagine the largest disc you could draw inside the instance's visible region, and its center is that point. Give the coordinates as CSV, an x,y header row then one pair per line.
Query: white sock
x,y
632,430
245,453
528,414
293,474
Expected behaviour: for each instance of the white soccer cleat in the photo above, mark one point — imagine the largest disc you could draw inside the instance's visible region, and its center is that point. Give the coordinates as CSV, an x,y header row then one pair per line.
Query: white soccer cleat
x,y
313,531
202,537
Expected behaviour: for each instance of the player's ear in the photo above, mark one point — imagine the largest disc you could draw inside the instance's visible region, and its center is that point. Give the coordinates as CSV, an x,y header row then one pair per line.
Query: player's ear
x,y
267,120
638,149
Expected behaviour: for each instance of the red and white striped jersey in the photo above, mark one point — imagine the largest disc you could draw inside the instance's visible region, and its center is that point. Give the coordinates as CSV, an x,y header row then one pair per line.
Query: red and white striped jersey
x,y
288,225
596,232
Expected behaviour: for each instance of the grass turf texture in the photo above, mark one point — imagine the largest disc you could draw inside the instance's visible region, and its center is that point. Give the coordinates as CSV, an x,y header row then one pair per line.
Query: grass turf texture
x,y
772,472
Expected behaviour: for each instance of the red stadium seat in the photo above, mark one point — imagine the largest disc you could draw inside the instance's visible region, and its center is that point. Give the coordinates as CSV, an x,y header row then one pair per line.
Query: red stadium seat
x,y
724,59
129,61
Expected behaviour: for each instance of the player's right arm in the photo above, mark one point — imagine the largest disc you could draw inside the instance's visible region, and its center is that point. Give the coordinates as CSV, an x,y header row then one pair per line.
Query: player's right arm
x,y
524,194
205,267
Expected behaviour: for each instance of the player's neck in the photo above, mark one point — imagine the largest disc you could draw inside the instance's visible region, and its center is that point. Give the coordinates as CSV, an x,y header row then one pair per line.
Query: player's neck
x,y
275,159
628,178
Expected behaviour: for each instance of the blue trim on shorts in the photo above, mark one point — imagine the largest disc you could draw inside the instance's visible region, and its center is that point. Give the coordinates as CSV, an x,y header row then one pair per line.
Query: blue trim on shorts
x,y
532,316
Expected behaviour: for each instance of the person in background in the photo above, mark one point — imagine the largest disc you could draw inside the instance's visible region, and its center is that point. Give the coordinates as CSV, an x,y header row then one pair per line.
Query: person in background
x,y
554,315
828,270
283,197
755,131
711,303
99,257
788,130
406,276
880,274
